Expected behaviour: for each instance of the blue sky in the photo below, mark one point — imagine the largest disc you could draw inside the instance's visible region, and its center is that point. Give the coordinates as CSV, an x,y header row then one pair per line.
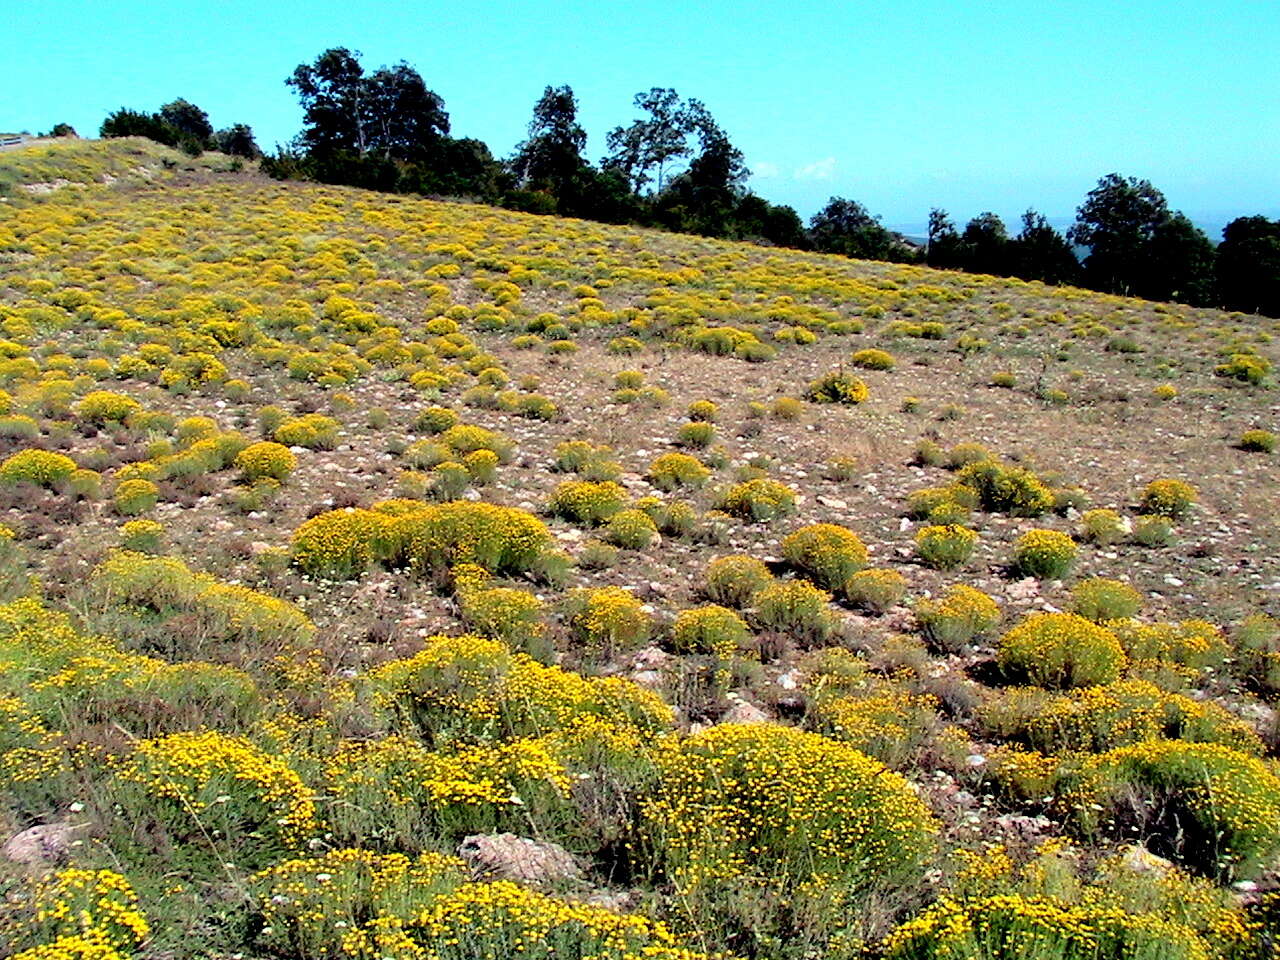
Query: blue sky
x,y
965,105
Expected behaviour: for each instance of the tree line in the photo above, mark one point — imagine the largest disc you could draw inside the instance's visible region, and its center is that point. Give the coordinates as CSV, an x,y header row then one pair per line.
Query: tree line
x,y
674,167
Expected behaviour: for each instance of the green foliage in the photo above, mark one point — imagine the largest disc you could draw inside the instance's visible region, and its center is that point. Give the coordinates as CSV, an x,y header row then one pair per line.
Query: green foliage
x,y
1100,599
135,496
734,580
945,547
585,502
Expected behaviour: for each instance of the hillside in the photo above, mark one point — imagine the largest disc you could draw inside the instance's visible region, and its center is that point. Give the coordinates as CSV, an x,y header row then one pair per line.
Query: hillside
x,y
261,627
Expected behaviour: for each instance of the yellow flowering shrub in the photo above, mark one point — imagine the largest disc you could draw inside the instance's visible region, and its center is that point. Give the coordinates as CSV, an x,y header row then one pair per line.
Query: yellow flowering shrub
x,y
958,617
1204,805
203,783
583,501
1043,554
503,540
41,467
1061,650
76,913
340,543
1096,719
709,629
132,497
1004,489
826,553
735,579
796,608
674,470
103,406
945,546
314,431
750,802
759,500
875,591
1013,927
631,529
312,907
837,387
607,620
1168,498
464,439
1100,600
266,459
1197,644
478,690
891,725
514,617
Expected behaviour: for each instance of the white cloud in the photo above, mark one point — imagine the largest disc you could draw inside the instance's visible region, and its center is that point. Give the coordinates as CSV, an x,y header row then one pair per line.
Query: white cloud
x,y
823,169
764,170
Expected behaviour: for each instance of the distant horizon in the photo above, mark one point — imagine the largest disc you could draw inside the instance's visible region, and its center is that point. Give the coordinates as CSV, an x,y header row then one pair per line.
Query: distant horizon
x,y
940,105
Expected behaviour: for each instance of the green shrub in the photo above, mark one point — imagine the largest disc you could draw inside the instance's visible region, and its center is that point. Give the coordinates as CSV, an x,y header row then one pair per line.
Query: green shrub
x,y
631,529
758,500
1152,530
607,620
41,467
1203,805
945,547
1002,489
86,484
135,496
875,590
957,618
1168,498
141,536
709,629
1258,441
836,387
1061,650
1043,554
828,554
873,360
449,480
796,608
313,431
673,470
1100,599
735,579
963,454
1103,526
1245,367
697,434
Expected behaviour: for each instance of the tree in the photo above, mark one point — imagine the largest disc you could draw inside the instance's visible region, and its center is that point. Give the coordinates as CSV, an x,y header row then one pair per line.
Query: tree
x,y
1248,266
61,130
550,160
238,141
134,123
190,121
389,113
1116,222
1040,252
704,198
847,227
1180,263
943,248
984,245
655,141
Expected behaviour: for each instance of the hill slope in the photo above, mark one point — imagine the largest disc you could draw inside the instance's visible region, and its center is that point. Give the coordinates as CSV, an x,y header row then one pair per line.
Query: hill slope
x,y
159,315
